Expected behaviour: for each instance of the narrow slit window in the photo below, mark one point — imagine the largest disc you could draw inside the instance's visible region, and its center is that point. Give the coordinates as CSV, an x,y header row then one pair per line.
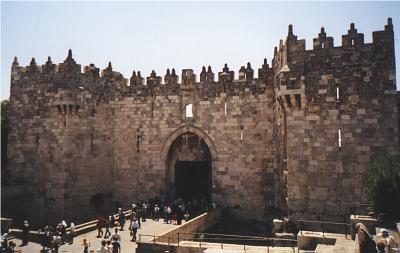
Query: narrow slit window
x,y
297,99
92,141
337,93
189,111
138,139
322,45
226,107
241,136
352,42
288,101
340,138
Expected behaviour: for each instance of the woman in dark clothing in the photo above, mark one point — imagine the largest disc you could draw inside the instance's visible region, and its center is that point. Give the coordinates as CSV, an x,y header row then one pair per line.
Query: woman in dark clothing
x,y
365,240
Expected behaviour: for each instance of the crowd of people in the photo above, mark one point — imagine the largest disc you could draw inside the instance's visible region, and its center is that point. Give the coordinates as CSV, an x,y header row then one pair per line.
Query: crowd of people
x,y
55,236
170,211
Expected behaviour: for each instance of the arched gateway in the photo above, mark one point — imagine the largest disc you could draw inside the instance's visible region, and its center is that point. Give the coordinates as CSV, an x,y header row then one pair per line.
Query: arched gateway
x,y
189,154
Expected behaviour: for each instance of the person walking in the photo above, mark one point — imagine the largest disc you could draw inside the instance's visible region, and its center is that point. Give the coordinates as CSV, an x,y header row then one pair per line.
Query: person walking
x,y
63,232
144,212
112,221
71,233
365,241
139,215
56,243
100,226
156,212
107,226
121,219
179,215
134,227
116,235
25,233
46,238
116,246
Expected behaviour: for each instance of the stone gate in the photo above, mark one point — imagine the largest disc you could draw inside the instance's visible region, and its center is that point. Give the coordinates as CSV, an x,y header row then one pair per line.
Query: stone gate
x,y
297,137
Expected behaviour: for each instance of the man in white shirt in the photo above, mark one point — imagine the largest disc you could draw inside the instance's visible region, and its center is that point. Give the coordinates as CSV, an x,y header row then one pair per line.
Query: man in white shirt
x,y
116,236
134,227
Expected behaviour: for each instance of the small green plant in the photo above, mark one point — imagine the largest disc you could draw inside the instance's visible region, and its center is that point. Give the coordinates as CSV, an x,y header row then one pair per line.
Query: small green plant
x,y
383,185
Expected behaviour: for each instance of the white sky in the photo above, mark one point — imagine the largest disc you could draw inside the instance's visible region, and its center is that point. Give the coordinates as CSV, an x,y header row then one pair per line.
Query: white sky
x,y
159,35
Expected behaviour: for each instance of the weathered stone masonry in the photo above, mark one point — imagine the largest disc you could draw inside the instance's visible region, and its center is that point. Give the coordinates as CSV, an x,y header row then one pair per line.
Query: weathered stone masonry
x,y
272,140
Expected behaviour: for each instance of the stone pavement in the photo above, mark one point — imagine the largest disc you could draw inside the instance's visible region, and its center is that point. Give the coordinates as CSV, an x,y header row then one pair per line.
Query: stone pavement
x,y
149,227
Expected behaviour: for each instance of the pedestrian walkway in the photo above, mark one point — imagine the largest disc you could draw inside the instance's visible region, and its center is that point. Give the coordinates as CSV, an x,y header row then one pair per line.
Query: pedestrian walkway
x,y
148,227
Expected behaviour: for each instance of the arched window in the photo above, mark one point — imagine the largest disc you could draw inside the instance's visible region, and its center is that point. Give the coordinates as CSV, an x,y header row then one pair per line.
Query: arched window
x,y
189,111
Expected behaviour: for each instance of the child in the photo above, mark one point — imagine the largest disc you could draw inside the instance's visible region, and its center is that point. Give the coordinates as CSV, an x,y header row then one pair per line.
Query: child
x,y
174,219
186,216
86,245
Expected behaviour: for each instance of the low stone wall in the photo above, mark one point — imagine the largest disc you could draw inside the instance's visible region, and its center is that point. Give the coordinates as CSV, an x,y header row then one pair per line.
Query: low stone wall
x,y
187,230
308,240
162,248
35,236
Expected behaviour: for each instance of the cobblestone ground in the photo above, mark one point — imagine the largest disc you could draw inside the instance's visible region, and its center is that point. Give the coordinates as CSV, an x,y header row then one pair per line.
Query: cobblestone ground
x,y
149,227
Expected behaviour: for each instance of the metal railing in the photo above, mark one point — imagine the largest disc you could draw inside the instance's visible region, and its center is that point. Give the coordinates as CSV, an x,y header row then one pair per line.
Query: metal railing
x,y
223,240
326,226
359,209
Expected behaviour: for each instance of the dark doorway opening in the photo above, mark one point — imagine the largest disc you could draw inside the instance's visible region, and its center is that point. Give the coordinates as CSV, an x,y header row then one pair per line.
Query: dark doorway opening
x,y
193,180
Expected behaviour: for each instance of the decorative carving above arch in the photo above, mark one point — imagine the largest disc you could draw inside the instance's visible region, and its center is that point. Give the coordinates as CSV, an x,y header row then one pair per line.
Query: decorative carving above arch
x,y
189,129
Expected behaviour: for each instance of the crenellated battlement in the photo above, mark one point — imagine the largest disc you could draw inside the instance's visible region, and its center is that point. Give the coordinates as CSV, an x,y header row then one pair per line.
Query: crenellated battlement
x,y
68,70
316,75
288,72
68,75
293,51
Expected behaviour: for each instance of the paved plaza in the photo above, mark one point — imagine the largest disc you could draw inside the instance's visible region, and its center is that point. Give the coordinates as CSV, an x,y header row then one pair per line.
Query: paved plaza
x,y
149,227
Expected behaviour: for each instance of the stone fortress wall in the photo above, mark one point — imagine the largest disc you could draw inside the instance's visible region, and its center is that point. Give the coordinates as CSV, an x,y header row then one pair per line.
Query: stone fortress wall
x,y
274,140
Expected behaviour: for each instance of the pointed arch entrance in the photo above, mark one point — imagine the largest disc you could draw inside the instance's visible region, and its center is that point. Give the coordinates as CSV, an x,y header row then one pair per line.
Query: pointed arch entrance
x,y
189,154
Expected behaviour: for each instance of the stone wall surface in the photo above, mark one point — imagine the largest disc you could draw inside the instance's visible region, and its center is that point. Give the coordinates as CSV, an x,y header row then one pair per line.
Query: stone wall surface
x,y
81,142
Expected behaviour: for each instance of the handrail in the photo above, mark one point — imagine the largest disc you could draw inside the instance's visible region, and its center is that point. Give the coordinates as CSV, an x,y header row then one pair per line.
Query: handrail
x,y
244,240
239,236
249,238
322,223
325,222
